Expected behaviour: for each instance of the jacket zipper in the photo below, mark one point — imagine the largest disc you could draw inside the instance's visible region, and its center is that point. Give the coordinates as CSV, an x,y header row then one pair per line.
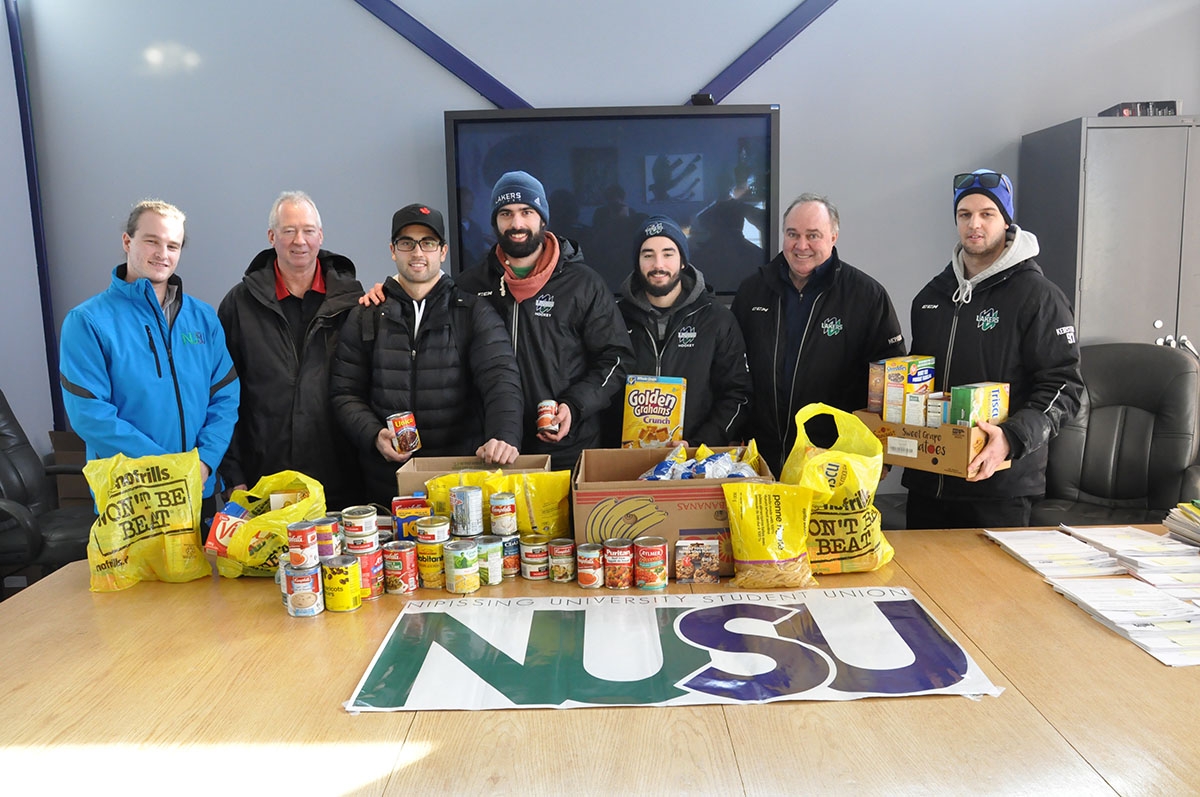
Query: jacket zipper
x,y
153,350
946,376
166,333
796,371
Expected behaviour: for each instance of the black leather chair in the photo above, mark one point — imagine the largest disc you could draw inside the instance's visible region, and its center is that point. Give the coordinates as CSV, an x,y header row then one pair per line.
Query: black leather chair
x,y
32,531
1130,453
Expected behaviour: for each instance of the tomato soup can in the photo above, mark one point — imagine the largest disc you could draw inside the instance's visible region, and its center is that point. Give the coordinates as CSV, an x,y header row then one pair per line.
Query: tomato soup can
x,y
434,528
546,412
466,511
341,578
328,542
370,564
461,561
404,427
429,565
511,565
618,563
491,559
562,559
400,567
504,513
650,563
302,585
302,544
589,560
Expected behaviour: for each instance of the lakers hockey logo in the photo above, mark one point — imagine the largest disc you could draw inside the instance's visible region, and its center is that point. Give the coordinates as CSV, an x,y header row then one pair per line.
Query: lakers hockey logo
x,y
653,229
543,305
832,326
687,337
987,319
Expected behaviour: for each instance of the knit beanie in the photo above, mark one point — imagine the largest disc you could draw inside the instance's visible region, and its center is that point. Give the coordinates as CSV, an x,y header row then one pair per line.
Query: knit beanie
x,y
520,188
663,226
994,185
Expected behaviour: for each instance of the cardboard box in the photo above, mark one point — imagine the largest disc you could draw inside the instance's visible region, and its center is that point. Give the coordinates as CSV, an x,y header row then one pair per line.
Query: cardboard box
x,y
946,450
905,375
608,499
413,474
70,450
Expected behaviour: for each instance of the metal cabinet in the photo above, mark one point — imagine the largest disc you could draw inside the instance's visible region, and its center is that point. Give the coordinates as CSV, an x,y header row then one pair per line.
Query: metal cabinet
x,y
1115,205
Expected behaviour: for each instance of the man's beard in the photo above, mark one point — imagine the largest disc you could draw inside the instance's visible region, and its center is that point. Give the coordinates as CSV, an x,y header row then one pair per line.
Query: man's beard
x,y
519,249
660,290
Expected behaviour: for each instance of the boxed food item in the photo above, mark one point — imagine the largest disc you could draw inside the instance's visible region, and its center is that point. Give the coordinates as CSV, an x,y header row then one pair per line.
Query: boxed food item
x,y
697,561
653,411
608,500
876,379
914,408
902,376
937,410
947,449
979,401
412,475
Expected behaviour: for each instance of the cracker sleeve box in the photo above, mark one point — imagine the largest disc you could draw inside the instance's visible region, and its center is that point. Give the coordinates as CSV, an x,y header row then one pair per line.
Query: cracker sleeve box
x,y
413,474
947,449
608,500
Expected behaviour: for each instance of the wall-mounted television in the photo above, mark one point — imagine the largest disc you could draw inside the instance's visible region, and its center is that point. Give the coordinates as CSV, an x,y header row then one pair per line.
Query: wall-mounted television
x,y
714,169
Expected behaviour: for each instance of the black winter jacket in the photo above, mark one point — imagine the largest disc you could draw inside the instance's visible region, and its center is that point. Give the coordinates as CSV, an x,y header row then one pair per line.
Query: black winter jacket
x,y
458,377
1018,328
704,345
853,323
285,421
571,346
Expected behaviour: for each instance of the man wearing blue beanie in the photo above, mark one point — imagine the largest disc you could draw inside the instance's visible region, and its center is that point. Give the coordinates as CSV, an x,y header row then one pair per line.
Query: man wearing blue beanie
x,y
992,316
569,338
678,329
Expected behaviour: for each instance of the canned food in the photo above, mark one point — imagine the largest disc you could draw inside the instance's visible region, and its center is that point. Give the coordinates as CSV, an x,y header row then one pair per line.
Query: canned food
x,y
589,559
512,554
302,544
650,563
618,563
461,560
370,564
341,578
404,427
400,566
328,543
491,559
429,564
504,513
359,519
562,559
535,571
302,586
466,511
535,549
434,528
546,412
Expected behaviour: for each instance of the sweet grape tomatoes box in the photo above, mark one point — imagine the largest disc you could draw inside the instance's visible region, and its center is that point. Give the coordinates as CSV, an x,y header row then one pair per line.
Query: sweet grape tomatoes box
x,y
948,449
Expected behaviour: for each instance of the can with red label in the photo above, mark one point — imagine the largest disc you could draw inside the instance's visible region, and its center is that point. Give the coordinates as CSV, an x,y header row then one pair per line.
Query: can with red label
x,y
618,563
589,560
546,412
404,427
562,559
650,563
302,588
360,530
302,544
400,567
371,565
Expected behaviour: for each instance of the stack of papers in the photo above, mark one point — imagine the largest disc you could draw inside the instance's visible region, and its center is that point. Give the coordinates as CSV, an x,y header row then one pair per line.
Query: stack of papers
x,y
1164,626
1131,542
1155,559
1183,522
1056,555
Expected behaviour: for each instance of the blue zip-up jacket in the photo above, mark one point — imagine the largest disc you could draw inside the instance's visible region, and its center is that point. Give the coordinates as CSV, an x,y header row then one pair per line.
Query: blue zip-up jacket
x,y
132,385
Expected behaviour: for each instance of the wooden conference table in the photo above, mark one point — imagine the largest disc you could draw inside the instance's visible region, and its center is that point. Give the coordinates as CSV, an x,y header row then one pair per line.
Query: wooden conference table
x,y
211,686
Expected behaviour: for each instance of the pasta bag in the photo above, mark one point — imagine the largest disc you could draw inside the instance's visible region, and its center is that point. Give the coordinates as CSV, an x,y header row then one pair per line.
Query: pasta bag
x,y
768,526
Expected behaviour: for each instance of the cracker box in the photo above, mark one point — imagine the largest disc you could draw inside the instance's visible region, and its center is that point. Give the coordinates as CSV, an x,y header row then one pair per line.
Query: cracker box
x,y
979,401
653,411
902,376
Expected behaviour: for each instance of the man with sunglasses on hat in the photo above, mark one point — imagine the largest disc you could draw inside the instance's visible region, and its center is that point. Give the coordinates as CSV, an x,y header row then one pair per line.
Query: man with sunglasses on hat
x,y
431,349
992,316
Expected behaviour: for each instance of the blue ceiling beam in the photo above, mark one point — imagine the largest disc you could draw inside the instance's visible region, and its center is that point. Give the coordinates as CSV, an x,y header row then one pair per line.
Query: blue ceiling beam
x,y
440,50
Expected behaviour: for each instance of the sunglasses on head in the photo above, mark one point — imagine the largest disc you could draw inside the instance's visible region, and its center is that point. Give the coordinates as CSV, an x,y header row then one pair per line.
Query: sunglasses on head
x,y
983,180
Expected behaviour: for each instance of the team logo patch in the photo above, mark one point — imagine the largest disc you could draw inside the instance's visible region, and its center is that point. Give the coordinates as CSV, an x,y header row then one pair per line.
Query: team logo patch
x,y
687,337
987,319
832,326
196,338
543,305
653,229
1068,331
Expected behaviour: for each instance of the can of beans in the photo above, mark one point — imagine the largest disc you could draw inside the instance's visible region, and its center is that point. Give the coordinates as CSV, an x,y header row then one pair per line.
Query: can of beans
x,y
342,581
504,513
589,559
327,537
546,412
466,508
302,586
650,563
512,554
370,564
491,559
404,427
302,545
429,564
400,567
435,528
618,563
461,560
562,559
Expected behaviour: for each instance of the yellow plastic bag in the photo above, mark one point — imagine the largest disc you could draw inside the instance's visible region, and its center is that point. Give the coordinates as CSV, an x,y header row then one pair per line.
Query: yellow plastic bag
x,y
543,500
844,532
254,547
437,490
767,526
148,520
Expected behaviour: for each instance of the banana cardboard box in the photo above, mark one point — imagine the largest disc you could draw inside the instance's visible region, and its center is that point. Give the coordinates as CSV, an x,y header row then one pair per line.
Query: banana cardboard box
x,y
608,500
653,413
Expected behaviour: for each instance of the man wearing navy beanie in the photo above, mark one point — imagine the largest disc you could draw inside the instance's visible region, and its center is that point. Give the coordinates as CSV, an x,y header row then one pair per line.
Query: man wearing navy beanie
x,y
569,338
678,329
992,316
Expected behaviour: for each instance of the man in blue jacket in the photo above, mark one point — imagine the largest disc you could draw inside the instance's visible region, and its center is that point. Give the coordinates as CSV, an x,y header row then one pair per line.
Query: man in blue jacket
x,y
144,369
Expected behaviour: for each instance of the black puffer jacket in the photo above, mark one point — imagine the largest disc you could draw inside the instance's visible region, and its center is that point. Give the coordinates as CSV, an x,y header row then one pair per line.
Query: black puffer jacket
x,y
703,344
285,421
571,346
457,376
852,324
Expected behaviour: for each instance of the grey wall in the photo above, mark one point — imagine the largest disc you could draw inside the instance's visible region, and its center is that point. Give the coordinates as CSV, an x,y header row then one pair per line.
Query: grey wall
x,y
881,103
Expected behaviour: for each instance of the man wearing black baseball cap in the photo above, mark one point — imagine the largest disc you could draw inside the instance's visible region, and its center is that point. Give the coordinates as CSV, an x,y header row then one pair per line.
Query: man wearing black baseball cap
x,y
430,349
992,316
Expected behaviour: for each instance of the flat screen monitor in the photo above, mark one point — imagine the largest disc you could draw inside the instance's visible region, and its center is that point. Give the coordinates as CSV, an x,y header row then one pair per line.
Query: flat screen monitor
x,y
713,169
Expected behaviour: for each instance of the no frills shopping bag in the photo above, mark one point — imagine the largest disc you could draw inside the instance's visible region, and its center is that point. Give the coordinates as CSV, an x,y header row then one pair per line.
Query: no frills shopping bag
x,y
844,531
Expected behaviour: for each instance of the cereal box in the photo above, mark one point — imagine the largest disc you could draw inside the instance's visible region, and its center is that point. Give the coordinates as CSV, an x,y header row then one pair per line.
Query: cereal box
x,y
979,401
653,415
904,375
